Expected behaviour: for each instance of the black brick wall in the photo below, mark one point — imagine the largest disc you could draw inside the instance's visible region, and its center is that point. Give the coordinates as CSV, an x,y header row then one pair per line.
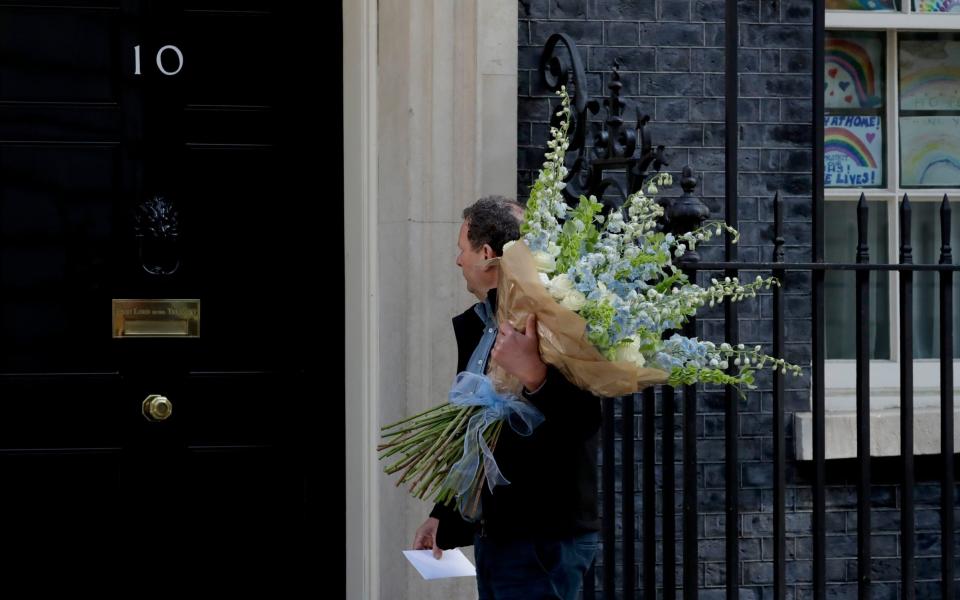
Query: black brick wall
x,y
672,66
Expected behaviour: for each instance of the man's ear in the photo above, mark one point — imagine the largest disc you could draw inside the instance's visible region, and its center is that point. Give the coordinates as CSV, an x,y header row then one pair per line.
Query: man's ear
x,y
488,252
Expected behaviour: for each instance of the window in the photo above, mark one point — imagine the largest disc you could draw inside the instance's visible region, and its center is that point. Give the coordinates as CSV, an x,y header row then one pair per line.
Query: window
x,y
918,6
891,126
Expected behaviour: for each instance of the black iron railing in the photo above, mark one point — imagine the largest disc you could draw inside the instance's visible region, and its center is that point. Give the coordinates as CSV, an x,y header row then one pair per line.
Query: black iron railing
x,y
615,147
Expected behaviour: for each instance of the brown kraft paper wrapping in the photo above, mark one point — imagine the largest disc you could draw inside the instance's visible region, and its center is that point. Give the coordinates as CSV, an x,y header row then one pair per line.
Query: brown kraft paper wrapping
x,y
563,334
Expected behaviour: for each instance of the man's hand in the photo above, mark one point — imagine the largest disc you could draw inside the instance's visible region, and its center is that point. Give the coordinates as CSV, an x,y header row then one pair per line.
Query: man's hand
x,y
518,352
426,537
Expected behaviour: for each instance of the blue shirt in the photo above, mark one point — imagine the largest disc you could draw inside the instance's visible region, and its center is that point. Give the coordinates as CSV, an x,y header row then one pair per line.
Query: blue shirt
x,y
481,355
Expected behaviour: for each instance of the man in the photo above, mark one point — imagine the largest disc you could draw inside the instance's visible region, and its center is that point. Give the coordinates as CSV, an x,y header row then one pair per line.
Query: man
x,y
537,535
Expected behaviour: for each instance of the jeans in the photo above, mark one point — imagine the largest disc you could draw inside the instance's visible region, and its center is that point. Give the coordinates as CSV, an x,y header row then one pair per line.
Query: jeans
x,y
533,569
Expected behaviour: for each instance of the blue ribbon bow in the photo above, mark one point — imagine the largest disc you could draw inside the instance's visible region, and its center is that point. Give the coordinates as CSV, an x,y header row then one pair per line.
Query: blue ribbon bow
x,y
471,389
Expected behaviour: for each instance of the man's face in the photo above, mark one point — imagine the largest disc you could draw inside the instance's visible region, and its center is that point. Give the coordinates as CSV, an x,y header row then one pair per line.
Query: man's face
x,y
473,262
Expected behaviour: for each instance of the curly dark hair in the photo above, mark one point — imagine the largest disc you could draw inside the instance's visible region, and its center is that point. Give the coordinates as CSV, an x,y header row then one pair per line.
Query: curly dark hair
x,y
493,220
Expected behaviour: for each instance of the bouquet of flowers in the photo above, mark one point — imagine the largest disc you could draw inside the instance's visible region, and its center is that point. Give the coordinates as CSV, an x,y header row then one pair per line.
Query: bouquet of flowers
x,y
607,296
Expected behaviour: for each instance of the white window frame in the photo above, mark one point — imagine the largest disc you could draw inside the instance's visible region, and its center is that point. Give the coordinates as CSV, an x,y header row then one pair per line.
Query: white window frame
x,y
840,375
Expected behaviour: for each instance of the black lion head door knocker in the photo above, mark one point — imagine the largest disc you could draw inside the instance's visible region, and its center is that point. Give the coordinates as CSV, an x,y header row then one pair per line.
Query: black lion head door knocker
x,y
156,226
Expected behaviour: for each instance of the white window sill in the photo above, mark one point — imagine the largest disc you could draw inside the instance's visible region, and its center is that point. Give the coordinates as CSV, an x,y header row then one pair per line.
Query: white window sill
x,y
859,19
840,429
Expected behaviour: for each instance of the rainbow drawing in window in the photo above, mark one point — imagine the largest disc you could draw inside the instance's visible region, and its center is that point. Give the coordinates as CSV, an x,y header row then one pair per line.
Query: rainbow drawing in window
x,y
851,79
929,151
860,5
852,146
929,75
936,6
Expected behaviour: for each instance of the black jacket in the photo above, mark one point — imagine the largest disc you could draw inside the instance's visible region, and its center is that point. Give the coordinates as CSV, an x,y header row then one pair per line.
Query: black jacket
x,y
552,473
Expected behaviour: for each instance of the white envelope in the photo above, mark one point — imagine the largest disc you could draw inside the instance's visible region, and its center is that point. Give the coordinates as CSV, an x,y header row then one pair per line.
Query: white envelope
x,y
452,564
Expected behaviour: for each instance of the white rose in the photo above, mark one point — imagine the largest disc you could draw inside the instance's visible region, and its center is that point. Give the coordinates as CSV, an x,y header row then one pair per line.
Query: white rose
x,y
574,300
631,353
560,286
544,261
545,280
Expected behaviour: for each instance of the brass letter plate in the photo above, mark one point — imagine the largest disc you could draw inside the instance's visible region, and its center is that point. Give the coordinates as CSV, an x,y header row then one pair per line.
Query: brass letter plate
x,y
156,318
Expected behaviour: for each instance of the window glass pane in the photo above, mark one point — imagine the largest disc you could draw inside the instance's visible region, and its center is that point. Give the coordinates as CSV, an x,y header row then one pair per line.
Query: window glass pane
x,y
853,151
840,229
854,100
862,4
929,80
930,151
936,6
925,240
854,70
929,72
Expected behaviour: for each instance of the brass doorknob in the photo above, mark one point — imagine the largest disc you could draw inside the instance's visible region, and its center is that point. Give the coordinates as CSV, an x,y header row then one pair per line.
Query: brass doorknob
x,y
157,407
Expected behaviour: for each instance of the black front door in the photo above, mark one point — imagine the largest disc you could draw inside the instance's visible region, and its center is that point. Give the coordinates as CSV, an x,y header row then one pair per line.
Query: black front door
x,y
160,199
